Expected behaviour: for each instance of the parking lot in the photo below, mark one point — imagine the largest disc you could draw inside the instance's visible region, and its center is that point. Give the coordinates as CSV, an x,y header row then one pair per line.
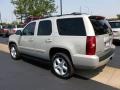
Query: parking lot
x,y
28,74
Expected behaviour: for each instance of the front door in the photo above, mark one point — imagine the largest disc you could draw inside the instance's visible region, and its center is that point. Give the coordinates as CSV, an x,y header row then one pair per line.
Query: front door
x,y
27,39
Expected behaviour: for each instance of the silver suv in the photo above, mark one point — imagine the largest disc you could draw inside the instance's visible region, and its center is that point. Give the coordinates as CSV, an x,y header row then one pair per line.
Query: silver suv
x,y
68,42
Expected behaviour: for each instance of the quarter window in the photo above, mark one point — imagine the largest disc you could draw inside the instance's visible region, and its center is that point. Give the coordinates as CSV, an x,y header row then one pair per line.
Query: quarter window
x,y
71,27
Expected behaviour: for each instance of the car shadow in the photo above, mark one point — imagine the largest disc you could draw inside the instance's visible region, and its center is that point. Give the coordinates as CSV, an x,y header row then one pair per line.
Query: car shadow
x,y
79,73
37,62
87,74
116,42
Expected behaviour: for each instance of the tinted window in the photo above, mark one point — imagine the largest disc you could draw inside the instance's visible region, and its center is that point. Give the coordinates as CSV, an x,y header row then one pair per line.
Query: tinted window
x,y
29,29
71,27
45,28
100,25
115,24
18,32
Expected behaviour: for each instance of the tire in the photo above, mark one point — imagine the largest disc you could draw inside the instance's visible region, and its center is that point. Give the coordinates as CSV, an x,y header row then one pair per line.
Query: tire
x,y
4,35
62,66
14,52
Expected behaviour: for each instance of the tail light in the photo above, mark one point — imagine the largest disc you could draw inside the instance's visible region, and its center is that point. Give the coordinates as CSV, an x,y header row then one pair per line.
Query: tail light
x,y
91,45
14,31
5,31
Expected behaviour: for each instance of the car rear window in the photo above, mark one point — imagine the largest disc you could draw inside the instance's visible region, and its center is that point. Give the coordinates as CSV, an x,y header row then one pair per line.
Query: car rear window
x,y
100,25
115,24
71,27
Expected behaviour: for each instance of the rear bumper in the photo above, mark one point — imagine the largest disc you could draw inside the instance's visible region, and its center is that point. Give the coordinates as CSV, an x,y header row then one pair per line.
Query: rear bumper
x,y
116,38
92,62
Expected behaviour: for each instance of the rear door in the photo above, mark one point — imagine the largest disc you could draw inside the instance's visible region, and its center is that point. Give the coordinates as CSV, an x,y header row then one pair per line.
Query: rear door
x,y
43,39
103,33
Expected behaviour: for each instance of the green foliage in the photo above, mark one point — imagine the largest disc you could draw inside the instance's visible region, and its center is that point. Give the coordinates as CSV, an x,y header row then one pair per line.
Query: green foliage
x,y
33,7
118,16
14,23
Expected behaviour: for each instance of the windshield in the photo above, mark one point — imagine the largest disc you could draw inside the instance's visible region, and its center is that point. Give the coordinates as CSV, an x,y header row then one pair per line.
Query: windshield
x,y
115,24
100,25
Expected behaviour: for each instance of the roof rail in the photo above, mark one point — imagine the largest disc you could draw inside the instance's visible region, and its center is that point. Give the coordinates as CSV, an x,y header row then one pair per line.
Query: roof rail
x,y
74,13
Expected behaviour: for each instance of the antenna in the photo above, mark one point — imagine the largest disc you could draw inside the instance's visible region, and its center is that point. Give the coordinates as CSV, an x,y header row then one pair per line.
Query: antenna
x,y
61,11
80,9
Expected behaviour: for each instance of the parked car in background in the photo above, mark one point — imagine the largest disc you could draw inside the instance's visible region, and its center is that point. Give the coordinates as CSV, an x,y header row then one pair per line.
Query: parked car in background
x,y
16,28
0,29
116,29
6,30
10,29
69,42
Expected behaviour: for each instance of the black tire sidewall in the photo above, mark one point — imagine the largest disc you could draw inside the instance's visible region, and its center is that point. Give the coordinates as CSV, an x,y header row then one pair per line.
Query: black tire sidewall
x,y
17,53
69,65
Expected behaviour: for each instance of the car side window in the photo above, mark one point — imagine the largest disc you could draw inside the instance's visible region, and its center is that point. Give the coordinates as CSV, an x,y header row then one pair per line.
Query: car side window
x,y
29,29
45,28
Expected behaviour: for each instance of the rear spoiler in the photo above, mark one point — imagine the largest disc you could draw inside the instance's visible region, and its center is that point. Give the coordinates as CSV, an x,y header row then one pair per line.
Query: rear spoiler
x,y
97,17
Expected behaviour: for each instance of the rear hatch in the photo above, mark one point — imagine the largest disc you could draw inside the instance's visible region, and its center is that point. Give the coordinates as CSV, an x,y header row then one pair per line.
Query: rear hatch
x,y
103,34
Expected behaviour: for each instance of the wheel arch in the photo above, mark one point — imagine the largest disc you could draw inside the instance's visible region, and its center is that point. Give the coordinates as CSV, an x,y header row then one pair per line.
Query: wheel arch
x,y
10,43
58,50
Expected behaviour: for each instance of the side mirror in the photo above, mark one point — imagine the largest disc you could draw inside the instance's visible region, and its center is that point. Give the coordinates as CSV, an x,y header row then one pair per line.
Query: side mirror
x,y
19,32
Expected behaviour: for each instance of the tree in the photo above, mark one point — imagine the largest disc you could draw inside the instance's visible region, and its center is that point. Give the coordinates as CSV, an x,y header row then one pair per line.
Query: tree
x,y
24,8
14,23
118,16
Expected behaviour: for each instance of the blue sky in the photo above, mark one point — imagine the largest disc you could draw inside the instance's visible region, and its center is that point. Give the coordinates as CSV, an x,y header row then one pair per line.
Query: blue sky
x,y
108,8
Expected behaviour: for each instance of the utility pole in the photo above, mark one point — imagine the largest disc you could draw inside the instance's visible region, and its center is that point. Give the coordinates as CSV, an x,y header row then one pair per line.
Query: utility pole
x,y
0,18
80,9
61,11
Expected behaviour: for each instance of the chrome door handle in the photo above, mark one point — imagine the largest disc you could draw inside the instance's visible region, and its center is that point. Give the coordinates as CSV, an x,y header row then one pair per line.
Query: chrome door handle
x,y
30,40
48,40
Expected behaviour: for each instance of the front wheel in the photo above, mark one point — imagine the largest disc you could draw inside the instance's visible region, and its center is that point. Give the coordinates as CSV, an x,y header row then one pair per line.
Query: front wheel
x,y
62,66
14,52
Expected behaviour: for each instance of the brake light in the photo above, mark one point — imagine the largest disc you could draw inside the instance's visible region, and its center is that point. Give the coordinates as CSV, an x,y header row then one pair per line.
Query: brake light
x,y
91,45
5,31
14,31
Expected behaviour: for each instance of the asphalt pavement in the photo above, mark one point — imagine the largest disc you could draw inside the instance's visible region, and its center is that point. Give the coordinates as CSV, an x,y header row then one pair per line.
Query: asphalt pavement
x,y
27,74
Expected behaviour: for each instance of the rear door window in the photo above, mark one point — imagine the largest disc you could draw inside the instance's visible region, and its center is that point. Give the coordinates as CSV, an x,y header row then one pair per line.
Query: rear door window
x,y
45,27
71,27
100,25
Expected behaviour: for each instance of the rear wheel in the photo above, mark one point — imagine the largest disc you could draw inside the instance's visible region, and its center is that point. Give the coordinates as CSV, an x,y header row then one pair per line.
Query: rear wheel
x,y
14,52
62,66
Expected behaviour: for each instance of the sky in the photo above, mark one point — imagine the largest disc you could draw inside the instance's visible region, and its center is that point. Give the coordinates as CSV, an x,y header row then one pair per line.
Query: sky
x,y
107,8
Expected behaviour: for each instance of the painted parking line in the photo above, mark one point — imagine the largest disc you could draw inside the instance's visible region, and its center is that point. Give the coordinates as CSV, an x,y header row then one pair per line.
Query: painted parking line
x,y
109,75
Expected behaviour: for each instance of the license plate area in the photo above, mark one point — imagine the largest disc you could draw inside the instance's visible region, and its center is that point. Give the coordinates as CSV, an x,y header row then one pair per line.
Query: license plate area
x,y
107,42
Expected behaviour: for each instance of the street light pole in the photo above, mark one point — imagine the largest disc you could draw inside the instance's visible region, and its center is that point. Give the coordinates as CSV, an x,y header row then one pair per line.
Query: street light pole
x,y
61,11
0,18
